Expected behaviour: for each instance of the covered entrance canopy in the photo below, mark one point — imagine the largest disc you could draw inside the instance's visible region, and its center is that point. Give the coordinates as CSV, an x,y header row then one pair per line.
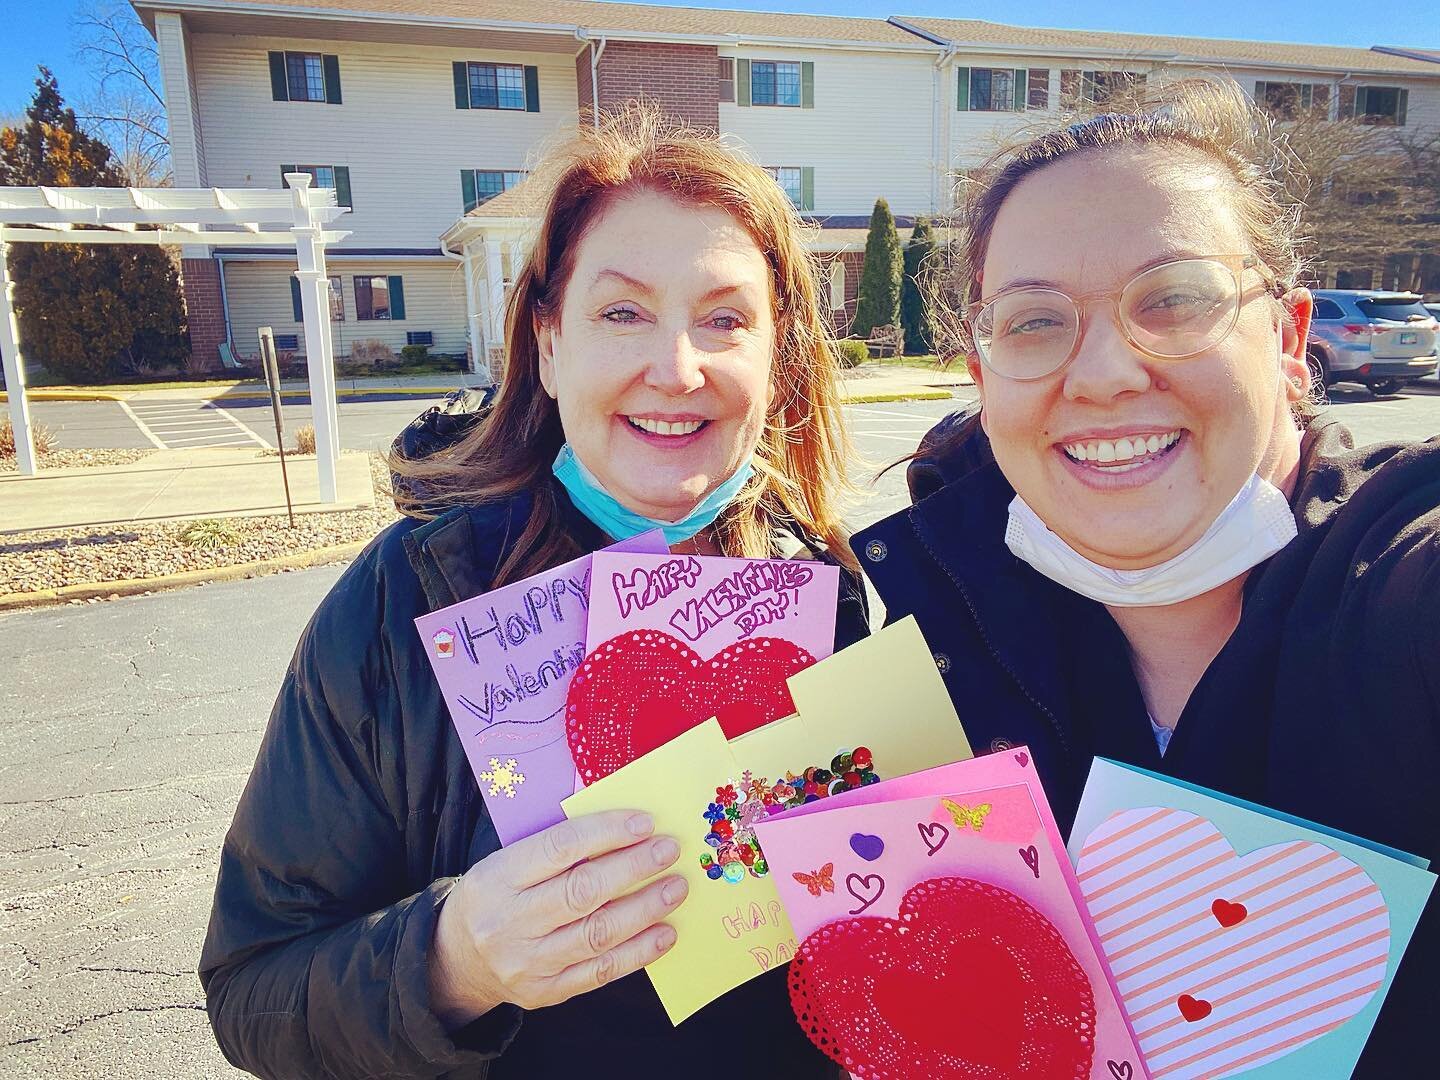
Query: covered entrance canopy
x,y
297,218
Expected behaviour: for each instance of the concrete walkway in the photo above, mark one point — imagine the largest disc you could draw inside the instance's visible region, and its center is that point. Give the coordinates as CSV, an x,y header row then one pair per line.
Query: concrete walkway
x,y
171,485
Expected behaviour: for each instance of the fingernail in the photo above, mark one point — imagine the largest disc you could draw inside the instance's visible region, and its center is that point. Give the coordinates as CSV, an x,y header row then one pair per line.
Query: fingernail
x,y
640,824
665,851
674,891
665,938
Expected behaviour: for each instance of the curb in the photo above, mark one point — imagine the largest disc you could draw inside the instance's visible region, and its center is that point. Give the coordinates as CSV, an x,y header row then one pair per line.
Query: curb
x,y
881,397
135,586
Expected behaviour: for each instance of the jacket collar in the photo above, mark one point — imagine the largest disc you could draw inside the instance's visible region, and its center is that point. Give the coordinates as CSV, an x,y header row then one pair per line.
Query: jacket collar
x,y
458,554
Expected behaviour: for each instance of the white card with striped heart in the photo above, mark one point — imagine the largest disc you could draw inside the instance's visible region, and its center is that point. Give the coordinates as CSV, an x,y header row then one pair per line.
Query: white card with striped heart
x,y
1242,941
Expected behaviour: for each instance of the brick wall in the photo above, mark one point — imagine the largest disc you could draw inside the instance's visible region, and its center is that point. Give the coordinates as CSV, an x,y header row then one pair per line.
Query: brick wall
x,y
683,79
586,99
204,309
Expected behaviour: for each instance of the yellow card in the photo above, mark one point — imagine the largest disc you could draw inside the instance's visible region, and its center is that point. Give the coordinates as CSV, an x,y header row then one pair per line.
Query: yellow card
x,y
883,693
726,933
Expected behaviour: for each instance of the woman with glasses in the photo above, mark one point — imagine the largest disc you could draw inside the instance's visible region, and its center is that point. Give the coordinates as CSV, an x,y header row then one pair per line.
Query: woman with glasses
x,y
1144,543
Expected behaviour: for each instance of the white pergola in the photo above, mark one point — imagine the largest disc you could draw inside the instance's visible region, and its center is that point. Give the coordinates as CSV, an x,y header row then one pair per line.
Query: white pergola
x,y
297,218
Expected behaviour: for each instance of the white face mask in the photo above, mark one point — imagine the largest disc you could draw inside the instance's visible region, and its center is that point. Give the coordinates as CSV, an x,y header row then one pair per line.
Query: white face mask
x,y
1257,523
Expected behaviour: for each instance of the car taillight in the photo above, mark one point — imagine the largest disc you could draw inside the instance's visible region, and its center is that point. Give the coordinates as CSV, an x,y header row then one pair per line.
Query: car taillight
x,y
1358,329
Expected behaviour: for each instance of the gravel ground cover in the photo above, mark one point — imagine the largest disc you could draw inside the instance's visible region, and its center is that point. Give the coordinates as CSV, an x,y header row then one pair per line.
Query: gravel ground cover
x,y
53,558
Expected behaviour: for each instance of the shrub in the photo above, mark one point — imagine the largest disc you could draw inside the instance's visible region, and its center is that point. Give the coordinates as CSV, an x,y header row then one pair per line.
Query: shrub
x,y
878,303
415,354
210,533
922,255
851,353
371,352
305,439
40,435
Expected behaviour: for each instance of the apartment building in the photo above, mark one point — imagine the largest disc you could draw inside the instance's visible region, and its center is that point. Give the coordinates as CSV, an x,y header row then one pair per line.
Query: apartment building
x,y
425,115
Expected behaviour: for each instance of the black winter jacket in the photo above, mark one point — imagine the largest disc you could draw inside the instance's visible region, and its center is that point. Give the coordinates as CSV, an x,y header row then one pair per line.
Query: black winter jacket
x,y
359,816
1324,703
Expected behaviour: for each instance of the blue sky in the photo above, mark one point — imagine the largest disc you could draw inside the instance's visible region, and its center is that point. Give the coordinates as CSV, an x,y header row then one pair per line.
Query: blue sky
x,y
42,31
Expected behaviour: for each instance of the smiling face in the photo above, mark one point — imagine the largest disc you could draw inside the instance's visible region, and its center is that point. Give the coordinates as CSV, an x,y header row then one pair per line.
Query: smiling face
x,y
1127,458
659,358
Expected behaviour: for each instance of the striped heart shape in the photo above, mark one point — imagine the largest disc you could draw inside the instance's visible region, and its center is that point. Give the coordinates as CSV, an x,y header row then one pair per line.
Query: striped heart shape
x,y
1309,953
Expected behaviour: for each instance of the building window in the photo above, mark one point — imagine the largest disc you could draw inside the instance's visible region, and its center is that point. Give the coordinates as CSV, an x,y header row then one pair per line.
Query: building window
x,y
335,177
1288,101
790,180
1098,87
497,86
1038,86
774,83
727,78
1379,105
479,186
379,298
306,75
992,90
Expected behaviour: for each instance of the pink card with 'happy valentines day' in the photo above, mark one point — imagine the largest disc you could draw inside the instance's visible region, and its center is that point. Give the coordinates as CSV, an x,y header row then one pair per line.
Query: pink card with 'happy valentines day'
x,y
942,932
676,639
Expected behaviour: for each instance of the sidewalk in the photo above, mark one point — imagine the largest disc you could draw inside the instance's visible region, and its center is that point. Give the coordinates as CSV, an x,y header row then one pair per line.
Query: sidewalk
x,y
173,485
867,383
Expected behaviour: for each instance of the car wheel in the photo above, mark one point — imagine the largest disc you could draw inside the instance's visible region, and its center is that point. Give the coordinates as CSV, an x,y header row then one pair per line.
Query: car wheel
x,y
1384,387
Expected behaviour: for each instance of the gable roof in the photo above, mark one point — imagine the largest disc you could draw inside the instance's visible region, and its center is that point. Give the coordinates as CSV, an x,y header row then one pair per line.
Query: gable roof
x,y
976,33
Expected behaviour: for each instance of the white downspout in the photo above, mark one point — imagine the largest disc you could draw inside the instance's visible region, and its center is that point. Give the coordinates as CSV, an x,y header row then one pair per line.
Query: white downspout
x,y
595,55
225,304
940,156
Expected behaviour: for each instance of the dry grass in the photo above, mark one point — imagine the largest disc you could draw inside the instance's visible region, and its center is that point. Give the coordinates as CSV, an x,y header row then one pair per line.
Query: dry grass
x,y
40,435
305,439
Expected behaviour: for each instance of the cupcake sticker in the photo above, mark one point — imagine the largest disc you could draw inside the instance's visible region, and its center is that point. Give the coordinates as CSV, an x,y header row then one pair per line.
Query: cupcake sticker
x,y
444,642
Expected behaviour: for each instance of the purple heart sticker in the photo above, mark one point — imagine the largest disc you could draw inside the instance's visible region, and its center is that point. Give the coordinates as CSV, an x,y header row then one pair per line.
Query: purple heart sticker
x,y
866,846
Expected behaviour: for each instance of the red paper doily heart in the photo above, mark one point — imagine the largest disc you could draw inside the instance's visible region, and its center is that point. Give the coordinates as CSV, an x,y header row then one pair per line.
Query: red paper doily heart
x,y
969,982
636,692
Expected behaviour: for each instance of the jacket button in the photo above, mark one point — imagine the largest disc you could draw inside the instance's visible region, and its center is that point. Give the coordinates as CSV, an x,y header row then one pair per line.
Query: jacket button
x,y
998,745
876,551
942,662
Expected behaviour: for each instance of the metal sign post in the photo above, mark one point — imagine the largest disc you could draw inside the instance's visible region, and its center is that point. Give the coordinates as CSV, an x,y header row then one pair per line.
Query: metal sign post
x,y
272,380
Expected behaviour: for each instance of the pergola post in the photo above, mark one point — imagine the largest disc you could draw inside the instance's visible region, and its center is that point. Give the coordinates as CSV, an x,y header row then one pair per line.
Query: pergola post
x,y
14,368
474,320
495,284
315,306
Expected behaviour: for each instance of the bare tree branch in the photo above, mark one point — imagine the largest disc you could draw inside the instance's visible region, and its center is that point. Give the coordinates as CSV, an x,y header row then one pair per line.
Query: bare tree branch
x,y
126,105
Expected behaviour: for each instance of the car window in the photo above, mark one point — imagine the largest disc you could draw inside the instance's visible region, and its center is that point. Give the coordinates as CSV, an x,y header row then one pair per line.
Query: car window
x,y
1394,308
1327,309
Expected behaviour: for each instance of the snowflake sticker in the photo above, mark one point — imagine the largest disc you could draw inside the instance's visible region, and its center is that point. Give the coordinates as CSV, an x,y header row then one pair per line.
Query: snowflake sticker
x,y
504,778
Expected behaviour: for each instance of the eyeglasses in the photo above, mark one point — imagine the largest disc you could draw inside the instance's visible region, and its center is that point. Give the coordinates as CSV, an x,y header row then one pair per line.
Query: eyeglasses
x,y
1170,312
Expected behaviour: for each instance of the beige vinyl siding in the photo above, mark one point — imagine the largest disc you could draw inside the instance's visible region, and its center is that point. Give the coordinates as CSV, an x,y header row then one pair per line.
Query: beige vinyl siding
x,y
868,135
259,295
398,130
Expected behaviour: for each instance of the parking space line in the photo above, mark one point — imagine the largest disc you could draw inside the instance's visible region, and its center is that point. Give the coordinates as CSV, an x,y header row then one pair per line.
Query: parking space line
x,y
141,425
244,429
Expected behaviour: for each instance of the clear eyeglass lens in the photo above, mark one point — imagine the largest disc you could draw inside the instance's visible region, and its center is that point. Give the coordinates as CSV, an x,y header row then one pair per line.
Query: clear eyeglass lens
x,y
1027,333
1181,308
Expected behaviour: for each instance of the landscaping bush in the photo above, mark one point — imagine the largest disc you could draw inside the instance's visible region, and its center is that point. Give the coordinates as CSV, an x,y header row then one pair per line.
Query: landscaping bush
x,y
922,255
851,353
371,353
878,303
43,438
415,354
210,533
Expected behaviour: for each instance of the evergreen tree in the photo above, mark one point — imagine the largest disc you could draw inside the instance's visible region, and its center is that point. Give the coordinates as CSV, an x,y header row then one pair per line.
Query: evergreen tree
x,y
922,255
87,312
878,303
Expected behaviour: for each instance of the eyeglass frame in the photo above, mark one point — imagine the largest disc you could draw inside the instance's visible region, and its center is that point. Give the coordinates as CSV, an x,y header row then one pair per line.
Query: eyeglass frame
x,y
1237,265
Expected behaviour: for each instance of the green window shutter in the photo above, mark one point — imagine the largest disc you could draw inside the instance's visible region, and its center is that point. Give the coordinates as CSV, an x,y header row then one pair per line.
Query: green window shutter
x,y
397,298
962,89
532,88
283,170
342,186
807,85
1022,88
462,84
331,65
1402,106
279,85
807,187
295,307
742,82
1362,101
467,189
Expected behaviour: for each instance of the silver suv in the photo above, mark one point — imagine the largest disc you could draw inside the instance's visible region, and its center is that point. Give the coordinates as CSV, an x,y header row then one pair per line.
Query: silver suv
x,y
1381,340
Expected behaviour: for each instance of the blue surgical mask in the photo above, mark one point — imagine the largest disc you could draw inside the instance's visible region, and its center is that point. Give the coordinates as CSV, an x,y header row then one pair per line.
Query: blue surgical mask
x,y
619,522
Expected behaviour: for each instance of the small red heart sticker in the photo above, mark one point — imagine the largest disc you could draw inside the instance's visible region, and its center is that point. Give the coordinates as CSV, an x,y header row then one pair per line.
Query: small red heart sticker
x,y
1193,1009
1228,914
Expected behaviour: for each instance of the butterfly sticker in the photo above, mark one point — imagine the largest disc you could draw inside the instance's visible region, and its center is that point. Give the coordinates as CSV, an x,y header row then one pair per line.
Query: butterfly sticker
x,y
822,879
973,816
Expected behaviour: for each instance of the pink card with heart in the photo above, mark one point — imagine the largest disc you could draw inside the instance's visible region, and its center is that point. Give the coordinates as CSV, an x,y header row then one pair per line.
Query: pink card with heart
x,y
941,931
676,639
1242,940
